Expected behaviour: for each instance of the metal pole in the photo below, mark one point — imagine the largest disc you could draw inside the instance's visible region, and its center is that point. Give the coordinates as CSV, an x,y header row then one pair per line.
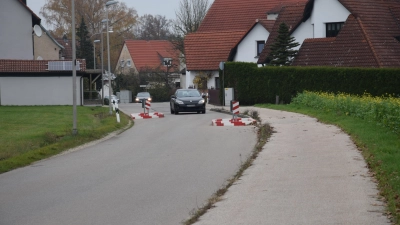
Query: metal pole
x,y
102,69
94,55
109,67
74,113
223,86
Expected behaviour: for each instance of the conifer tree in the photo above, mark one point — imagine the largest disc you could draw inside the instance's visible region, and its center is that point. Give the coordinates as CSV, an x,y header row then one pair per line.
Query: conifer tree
x,y
84,48
281,50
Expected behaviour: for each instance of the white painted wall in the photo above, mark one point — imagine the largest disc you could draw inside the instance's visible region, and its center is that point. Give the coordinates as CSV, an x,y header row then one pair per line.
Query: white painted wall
x,y
247,48
327,11
190,75
15,31
39,90
305,30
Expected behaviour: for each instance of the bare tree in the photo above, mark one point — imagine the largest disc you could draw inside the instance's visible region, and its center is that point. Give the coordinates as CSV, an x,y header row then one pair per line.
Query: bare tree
x,y
190,15
58,16
188,19
122,19
151,27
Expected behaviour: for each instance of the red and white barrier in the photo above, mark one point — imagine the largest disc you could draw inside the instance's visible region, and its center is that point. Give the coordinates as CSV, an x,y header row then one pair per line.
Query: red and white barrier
x,y
148,106
234,122
235,107
147,115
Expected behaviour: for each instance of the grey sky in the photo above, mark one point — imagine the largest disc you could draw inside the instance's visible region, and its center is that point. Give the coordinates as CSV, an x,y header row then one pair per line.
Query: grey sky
x,y
165,8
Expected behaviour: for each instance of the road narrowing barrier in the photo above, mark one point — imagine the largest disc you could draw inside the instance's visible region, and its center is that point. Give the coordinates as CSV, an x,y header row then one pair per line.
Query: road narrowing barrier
x,y
146,105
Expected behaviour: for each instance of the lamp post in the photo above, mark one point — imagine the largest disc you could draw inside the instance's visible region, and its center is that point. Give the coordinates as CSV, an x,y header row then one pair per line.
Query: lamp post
x,y
74,109
109,3
94,53
102,61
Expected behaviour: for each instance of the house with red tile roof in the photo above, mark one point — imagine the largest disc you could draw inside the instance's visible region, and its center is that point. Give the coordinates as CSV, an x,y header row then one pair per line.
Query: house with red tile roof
x,y
150,56
345,33
232,30
24,80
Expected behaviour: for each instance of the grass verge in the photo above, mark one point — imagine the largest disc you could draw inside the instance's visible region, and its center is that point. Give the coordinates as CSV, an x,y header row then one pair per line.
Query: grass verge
x,y
32,133
379,145
264,131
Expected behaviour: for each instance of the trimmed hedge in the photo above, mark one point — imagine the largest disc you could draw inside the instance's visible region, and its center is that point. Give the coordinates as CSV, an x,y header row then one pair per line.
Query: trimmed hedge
x,y
253,85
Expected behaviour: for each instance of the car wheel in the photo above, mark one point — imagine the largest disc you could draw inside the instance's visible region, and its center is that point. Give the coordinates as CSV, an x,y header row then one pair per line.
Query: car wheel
x,y
172,111
204,111
176,112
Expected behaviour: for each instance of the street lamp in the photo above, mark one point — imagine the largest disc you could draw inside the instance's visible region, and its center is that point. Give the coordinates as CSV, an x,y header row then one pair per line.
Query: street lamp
x,y
102,61
109,3
94,53
74,108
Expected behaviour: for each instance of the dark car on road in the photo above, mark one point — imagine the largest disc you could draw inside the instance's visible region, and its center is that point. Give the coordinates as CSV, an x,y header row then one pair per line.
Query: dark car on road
x,y
142,95
187,100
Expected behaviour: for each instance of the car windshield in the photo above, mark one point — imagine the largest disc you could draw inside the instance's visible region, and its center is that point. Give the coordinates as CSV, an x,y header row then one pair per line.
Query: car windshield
x,y
189,93
143,94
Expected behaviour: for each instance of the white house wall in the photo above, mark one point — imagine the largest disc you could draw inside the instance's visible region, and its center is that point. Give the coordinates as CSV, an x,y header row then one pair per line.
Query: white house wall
x,y
327,11
247,49
38,90
305,30
15,31
125,56
190,75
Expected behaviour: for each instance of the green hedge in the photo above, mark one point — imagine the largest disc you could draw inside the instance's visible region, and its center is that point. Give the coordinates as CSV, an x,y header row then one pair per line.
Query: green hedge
x,y
254,84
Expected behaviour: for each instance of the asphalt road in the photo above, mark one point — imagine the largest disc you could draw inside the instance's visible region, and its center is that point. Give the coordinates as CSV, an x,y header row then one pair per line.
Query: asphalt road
x,y
154,173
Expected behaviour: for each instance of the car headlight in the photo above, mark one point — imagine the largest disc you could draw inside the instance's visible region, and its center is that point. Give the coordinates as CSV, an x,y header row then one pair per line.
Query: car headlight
x,y
137,99
149,99
201,101
179,102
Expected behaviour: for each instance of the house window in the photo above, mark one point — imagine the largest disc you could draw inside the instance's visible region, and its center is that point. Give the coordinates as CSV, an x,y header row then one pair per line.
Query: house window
x,y
128,63
332,29
167,61
217,84
122,63
260,47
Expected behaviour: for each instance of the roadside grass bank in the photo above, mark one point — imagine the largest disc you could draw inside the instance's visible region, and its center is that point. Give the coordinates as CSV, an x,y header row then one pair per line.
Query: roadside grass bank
x,y
264,132
32,133
378,139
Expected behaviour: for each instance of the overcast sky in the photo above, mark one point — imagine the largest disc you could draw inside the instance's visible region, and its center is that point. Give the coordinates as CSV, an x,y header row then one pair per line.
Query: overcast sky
x,y
165,8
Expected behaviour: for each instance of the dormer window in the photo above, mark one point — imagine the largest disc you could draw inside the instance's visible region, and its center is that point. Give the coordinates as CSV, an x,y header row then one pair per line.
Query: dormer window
x,y
332,29
272,16
122,63
167,61
128,63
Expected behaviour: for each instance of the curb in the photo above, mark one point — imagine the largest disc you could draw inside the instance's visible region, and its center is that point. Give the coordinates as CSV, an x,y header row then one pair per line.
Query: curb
x,y
234,122
147,115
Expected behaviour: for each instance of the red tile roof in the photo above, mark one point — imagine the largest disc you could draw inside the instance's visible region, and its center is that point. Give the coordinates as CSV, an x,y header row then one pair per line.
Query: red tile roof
x,y
226,22
226,15
205,50
149,54
349,49
366,40
292,15
29,66
67,51
267,24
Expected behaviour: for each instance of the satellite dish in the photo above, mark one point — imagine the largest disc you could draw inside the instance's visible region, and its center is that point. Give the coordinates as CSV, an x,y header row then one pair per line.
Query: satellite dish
x,y
37,30
39,58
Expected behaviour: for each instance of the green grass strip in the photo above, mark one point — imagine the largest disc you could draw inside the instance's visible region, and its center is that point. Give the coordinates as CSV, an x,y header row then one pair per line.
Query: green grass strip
x,y
379,145
32,133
